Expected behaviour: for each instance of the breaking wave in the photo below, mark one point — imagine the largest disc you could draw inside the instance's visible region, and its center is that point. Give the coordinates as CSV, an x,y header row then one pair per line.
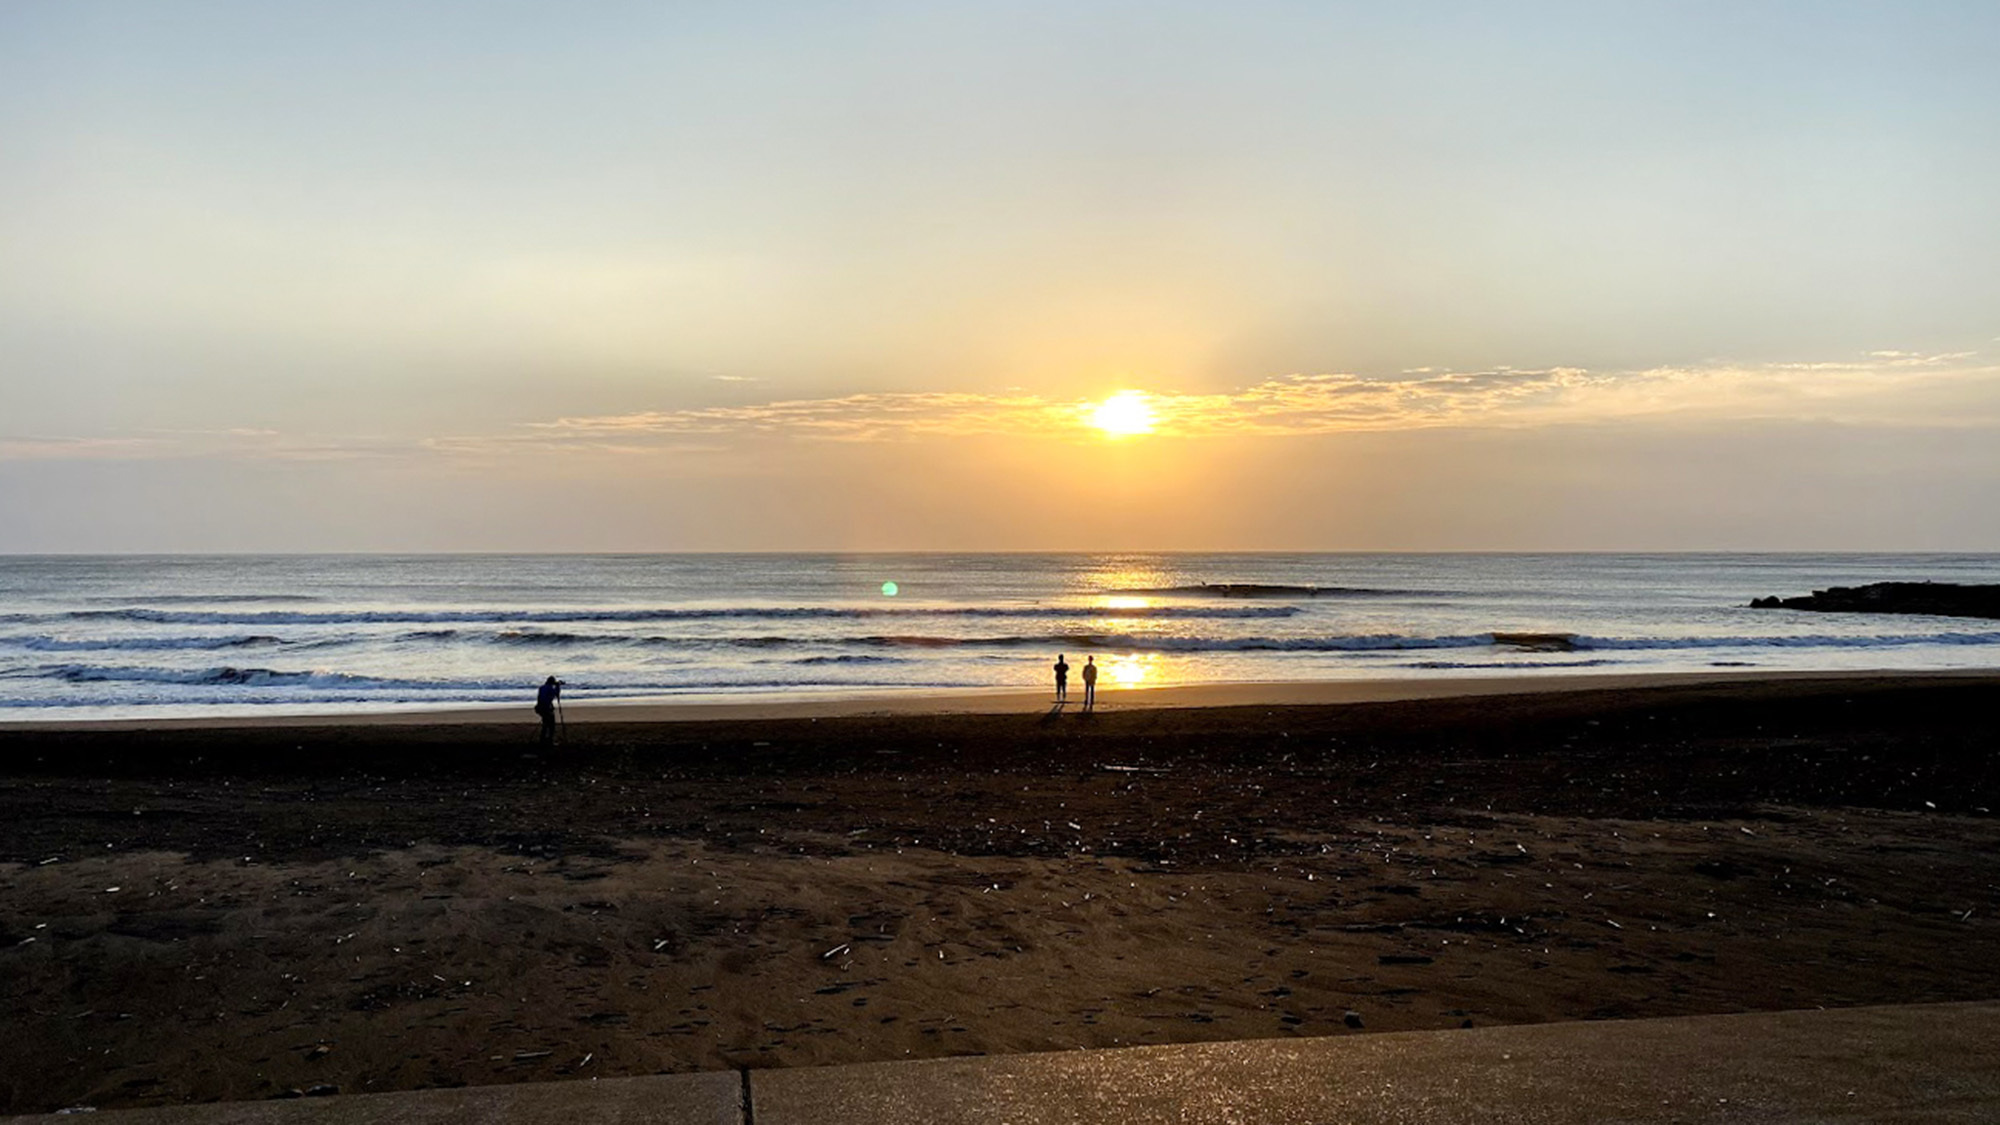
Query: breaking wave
x,y
1137,642
230,675
206,599
138,644
153,616
1888,640
140,686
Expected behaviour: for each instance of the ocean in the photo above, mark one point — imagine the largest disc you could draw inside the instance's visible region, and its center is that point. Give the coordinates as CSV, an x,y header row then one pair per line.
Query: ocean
x,y
179,636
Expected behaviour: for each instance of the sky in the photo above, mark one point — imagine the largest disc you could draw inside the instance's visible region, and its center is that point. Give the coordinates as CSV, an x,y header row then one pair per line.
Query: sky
x,y
761,276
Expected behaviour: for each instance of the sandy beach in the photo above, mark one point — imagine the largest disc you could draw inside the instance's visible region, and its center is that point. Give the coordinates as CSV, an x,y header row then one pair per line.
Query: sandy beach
x,y
199,911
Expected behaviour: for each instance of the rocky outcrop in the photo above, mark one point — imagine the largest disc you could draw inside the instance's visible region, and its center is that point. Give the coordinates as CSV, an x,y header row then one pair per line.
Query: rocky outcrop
x,y
1945,599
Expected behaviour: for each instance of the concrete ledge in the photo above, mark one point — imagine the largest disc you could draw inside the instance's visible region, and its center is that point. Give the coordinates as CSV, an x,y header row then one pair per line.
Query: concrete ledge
x,y
1930,1063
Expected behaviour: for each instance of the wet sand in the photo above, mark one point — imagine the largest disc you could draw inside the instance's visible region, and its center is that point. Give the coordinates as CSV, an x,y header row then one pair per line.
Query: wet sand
x,y
378,906
1112,697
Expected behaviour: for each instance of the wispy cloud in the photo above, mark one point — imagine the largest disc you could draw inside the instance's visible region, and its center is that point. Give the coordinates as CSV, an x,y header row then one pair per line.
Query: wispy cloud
x,y
1298,404
1898,387
42,448
863,417
151,444
1884,388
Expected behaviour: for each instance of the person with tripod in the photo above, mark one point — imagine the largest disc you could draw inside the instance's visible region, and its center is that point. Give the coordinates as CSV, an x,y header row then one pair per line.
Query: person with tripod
x,y
546,701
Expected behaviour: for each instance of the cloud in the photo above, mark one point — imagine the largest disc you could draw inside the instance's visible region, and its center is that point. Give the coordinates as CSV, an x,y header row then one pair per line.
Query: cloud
x,y
153,444
1883,388
1889,388
863,417
1297,404
40,448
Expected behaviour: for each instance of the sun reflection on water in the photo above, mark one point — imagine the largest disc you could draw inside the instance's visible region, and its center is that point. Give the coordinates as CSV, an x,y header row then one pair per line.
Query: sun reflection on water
x,y
1130,669
1109,577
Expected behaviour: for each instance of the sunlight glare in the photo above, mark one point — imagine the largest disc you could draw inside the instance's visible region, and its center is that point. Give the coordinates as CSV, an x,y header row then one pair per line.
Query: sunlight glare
x,y
1124,414
1128,670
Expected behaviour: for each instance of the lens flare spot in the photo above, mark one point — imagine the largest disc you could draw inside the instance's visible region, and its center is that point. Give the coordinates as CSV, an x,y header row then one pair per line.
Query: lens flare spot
x,y
890,589
1124,414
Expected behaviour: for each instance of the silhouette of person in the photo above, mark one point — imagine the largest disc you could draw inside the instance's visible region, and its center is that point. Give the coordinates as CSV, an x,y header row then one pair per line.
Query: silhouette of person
x,y
1062,679
545,706
1089,682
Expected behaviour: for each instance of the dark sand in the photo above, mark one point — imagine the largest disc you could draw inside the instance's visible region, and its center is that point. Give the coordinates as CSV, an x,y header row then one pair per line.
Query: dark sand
x,y
395,906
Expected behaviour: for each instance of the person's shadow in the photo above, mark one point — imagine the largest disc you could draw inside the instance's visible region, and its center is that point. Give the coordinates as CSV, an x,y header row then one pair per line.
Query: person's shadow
x,y
1055,712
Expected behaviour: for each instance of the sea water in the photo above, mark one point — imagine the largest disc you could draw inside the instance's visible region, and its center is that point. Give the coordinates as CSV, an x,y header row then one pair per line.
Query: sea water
x,y
169,636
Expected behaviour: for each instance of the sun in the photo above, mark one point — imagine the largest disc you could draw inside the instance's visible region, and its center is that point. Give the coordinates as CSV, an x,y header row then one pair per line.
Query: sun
x,y
1124,414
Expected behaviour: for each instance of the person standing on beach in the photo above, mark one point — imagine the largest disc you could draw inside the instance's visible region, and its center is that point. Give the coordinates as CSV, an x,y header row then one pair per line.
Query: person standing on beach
x,y
1089,683
1062,679
545,706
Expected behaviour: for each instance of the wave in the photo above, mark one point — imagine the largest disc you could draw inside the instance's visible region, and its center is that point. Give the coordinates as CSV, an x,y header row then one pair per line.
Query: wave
x,y
1880,640
1265,590
139,644
1134,641
1376,642
205,599
259,677
518,637
232,676
1130,641
1360,643
273,685
151,616
1140,642
1445,665
1369,642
